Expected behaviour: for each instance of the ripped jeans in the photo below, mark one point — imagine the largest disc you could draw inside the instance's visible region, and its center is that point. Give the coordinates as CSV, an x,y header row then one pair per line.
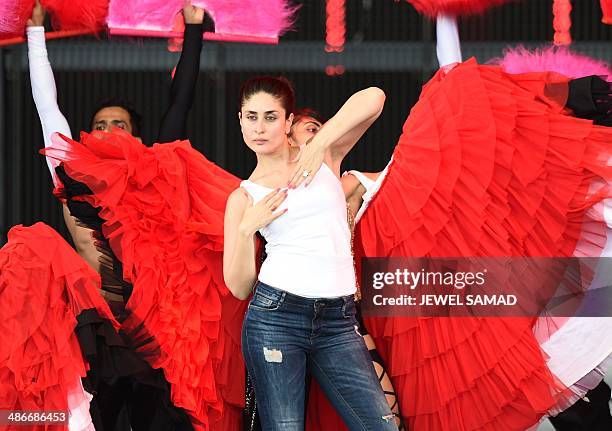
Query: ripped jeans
x,y
283,334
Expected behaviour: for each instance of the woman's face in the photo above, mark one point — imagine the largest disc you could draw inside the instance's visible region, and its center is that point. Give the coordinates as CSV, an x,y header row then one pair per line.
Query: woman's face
x,y
302,130
263,123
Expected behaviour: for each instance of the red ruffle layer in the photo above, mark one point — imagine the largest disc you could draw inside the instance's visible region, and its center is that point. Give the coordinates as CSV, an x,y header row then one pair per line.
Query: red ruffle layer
x,y
164,207
44,285
487,165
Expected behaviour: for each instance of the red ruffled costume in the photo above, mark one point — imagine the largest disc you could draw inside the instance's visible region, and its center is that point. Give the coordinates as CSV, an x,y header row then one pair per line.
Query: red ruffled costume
x,y
487,165
44,286
163,208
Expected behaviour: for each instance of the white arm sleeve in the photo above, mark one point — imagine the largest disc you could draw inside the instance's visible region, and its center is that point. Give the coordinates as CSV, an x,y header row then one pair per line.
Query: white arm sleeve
x,y
44,92
372,187
448,47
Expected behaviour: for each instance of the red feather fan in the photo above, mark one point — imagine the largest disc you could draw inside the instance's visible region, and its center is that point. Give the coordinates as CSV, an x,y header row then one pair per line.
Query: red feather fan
x,y
433,8
77,14
606,10
13,17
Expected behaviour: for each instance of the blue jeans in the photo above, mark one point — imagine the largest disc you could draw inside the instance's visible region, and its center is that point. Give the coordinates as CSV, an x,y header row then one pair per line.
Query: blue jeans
x,y
283,334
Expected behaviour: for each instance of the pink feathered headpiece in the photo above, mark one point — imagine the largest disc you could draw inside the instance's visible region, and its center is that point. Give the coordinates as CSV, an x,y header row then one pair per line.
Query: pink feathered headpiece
x,y
433,8
558,59
256,18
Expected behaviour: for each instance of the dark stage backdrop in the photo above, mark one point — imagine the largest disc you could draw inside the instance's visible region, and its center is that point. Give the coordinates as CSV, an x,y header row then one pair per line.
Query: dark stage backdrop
x,y
388,45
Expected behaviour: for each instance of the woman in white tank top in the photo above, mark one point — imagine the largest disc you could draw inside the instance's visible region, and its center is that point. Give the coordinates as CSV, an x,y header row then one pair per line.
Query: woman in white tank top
x,y
358,188
302,313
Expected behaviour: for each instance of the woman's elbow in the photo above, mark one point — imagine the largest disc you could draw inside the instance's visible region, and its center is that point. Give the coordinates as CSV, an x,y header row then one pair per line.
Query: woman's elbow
x,y
376,100
240,294
377,93
236,289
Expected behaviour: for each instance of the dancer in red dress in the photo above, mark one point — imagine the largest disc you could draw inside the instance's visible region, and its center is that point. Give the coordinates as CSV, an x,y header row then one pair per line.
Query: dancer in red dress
x,y
497,142
164,372
47,296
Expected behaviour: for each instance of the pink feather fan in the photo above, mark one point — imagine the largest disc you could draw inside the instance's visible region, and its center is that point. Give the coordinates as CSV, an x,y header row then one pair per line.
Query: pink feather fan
x,y
558,59
433,8
246,20
13,17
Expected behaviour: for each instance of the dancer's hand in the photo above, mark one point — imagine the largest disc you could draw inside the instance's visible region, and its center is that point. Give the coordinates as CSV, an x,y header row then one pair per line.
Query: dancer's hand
x,y
38,16
309,161
263,213
192,14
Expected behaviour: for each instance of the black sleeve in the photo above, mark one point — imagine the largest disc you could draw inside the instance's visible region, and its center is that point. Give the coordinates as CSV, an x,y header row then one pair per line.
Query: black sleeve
x,y
591,98
174,122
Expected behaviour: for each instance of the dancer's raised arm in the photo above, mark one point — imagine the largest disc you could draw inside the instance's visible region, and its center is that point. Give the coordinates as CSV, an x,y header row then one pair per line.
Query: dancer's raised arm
x,y
448,45
44,91
53,121
339,134
182,92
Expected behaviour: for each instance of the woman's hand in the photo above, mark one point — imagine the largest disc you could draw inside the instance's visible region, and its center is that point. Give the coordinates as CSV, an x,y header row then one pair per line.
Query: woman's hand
x,y
38,16
192,14
263,213
309,161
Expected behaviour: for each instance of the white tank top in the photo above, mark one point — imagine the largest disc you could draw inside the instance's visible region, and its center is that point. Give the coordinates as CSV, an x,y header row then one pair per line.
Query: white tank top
x,y
308,248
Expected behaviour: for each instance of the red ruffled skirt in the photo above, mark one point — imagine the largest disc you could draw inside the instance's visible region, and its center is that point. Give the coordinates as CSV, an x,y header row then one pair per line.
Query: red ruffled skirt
x,y
163,208
44,287
487,165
